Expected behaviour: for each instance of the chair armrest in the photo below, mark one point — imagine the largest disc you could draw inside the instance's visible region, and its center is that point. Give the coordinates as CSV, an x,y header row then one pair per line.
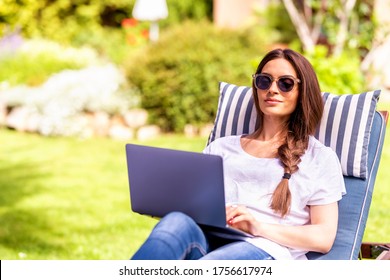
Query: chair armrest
x,y
375,250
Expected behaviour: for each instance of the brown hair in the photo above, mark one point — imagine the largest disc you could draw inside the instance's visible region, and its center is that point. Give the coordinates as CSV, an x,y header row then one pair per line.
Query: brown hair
x,y
302,123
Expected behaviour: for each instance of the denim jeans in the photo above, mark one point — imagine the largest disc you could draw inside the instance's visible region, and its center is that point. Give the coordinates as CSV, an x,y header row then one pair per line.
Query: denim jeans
x,y
178,237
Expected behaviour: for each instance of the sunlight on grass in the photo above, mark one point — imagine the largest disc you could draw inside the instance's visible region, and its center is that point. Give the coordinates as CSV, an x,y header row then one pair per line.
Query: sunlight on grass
x,y
65,198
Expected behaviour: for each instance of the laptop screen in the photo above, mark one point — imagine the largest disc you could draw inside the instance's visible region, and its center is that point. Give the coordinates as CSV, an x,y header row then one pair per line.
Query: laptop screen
x,y
166,180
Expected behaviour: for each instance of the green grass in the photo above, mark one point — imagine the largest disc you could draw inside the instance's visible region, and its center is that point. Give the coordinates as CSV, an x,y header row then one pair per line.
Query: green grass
x,y
66,198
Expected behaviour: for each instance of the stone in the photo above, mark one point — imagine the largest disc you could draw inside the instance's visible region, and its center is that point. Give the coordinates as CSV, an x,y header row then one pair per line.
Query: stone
x,y
136,118
148,132
100,123
190,130
121,132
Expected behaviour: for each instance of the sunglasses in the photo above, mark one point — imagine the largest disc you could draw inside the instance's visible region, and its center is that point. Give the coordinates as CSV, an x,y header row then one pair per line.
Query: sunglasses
x,y
284,83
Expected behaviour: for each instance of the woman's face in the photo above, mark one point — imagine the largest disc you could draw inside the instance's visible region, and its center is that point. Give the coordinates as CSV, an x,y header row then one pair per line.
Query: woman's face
x,y
273,102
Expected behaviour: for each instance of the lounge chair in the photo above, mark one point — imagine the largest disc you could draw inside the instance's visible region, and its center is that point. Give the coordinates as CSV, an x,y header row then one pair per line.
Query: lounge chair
x,y
353,127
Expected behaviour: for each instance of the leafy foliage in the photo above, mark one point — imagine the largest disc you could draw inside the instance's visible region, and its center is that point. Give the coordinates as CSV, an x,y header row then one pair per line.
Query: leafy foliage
x,y
337,74
63,20
362,24
178,76
88,22
340,25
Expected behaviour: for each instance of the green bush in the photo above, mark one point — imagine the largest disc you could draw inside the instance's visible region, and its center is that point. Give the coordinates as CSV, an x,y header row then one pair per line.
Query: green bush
x,y
93,23
338,74
63,20
178,76
275,19
180,11
110,43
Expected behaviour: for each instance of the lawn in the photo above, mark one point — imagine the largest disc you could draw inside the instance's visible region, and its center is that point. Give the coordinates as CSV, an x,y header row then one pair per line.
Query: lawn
x,y
67,198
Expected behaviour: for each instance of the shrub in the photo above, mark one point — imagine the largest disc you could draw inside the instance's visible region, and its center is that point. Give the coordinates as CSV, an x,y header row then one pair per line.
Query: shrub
x,y
178,76
180,11
64,20
110,43
338,74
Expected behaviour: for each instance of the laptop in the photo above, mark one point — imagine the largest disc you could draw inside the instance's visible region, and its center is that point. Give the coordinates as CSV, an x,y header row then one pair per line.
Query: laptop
x,y
166,180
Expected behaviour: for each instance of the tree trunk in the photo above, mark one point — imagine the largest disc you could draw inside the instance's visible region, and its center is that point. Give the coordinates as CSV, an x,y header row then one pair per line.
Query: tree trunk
x,y
301,26
344,15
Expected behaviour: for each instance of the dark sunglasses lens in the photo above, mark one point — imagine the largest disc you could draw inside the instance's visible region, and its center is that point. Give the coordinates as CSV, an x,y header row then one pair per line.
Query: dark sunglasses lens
x,y
286,84
263,82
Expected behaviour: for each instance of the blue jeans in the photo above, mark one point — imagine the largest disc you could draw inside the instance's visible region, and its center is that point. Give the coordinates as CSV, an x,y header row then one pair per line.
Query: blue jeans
x,y
178,237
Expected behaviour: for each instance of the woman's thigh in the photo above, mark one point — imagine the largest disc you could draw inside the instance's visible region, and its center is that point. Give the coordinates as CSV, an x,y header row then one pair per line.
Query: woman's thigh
x,y
176,236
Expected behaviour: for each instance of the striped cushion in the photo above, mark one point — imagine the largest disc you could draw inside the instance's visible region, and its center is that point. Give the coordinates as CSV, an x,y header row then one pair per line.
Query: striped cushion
x,y
345,124
345,127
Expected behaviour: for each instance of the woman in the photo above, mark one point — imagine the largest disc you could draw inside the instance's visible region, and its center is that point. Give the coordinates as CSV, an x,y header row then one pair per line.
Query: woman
x,y
282,185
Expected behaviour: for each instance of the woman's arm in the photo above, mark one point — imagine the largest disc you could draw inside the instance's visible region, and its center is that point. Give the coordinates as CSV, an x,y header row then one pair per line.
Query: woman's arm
x,y
317,236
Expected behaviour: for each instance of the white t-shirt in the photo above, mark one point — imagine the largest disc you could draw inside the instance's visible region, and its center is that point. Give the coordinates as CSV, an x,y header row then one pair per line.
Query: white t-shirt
x,y
250,181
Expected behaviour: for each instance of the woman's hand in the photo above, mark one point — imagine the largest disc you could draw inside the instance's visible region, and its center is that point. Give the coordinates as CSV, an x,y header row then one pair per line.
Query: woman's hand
x,y
238,216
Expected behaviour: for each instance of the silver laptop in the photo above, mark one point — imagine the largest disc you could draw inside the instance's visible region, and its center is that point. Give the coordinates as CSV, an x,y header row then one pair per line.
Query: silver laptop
x,y
166,180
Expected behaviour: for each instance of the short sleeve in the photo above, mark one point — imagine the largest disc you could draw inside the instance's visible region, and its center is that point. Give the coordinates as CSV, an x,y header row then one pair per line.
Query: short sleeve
x,y
329,179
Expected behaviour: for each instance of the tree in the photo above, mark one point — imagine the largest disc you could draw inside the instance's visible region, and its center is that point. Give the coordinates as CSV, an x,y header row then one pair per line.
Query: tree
x,y
337,22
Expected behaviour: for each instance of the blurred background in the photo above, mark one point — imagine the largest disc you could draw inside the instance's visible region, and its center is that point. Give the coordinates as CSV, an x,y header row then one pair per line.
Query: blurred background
x,y
80,78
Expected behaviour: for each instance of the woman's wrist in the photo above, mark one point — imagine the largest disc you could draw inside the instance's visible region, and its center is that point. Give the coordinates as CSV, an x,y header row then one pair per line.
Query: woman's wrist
x,y
258,229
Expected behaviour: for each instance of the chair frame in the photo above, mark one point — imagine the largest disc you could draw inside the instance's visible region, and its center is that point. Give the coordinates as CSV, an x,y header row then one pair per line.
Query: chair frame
x,y
356,249
354,207
376,250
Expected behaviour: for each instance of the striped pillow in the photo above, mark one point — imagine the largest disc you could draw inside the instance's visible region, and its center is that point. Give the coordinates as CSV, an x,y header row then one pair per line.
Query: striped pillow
x,y
236,113
345,124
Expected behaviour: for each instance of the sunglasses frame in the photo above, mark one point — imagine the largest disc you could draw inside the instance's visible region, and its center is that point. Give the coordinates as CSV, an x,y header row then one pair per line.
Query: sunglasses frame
x,y
296,81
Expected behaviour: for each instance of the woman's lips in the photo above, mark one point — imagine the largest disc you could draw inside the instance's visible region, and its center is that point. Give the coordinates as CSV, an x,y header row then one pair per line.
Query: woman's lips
x,y
272,101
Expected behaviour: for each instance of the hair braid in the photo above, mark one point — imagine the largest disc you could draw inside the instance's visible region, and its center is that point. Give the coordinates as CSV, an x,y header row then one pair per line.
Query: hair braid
x,y
290,155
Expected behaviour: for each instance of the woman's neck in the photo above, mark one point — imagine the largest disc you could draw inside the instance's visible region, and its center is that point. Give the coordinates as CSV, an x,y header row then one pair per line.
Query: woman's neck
x,y
264,142
271,131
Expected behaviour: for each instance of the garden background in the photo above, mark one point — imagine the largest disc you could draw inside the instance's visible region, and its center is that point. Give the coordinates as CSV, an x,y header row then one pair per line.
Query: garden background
x,y
80,79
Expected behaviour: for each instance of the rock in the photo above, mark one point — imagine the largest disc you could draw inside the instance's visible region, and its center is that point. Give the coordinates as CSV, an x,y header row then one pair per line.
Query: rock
x,y
100,123
148,132
190,130
136,118
121,132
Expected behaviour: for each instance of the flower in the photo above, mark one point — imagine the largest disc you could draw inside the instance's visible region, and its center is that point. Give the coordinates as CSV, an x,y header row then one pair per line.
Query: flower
x,y
136,33
129,22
